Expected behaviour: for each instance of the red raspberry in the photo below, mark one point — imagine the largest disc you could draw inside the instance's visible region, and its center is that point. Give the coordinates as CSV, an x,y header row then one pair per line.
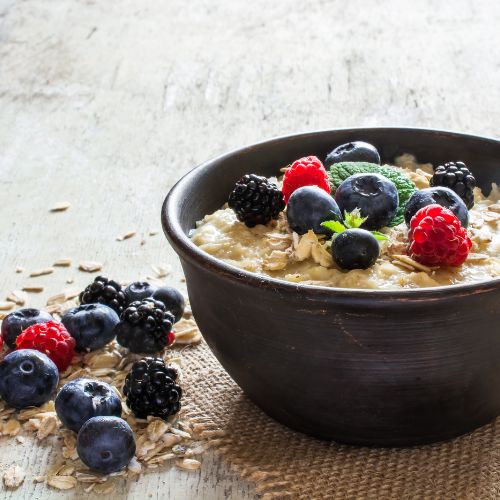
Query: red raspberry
x,y
52,339
307,171
437,238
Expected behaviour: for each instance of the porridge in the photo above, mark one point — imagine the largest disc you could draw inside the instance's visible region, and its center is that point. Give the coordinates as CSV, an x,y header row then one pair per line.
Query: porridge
x,y
291,246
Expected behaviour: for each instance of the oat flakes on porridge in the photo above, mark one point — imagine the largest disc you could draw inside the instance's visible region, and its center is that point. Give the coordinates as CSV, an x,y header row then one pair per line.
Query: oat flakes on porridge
x,y
451,234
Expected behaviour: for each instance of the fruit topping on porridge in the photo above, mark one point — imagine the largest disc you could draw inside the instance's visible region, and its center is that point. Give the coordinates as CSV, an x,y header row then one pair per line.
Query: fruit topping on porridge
x,y
351,222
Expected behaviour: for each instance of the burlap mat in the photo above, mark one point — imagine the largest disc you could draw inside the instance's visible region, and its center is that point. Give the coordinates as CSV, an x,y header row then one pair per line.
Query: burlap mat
x,y
286,464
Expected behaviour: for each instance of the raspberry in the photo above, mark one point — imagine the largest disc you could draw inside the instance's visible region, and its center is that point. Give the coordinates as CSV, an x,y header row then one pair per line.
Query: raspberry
x,y
52,339
437,237
307,171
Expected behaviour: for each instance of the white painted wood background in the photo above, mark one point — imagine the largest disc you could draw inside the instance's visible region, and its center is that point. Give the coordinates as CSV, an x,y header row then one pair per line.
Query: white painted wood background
x,y
107,103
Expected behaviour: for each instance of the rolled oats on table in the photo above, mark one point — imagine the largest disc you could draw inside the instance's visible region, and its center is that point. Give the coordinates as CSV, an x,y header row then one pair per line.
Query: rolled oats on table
x,y
156,439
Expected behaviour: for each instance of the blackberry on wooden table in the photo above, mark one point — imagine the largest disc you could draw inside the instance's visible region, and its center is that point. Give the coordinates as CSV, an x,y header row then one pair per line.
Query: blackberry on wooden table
x,y
145,327
104,291
151,389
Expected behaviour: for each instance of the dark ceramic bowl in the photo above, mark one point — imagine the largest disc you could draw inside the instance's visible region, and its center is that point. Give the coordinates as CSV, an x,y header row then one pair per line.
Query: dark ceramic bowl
x,y
389,368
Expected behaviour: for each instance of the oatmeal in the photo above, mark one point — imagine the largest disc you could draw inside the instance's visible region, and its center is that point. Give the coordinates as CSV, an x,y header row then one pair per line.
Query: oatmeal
x,y
275,250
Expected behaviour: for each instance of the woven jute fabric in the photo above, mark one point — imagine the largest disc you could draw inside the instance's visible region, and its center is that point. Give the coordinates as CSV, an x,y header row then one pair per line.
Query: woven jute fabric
x,y
286,464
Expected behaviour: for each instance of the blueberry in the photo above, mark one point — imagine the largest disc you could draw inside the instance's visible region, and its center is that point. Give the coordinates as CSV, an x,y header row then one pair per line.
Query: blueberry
x,y
308,207
105,444
91,325
138,290
19,320
27,378
375,196
355,249
442,196
353,151
85,398
172,299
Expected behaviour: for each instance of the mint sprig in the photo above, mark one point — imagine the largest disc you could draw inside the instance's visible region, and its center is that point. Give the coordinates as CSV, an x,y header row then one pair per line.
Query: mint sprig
x,y
352,220
339,172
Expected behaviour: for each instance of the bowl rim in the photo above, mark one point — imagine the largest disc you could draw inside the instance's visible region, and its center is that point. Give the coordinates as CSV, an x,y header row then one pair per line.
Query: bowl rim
x,y
184,246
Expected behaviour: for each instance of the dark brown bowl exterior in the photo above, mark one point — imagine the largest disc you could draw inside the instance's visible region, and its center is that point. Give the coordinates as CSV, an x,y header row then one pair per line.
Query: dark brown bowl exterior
x,y
386,368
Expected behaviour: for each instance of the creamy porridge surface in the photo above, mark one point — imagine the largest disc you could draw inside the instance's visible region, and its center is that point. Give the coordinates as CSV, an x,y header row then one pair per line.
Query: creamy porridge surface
x,y
273,250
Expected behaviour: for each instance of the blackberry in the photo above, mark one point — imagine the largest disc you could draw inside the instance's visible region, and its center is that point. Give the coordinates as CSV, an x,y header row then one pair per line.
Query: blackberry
x,y
104,291
456,176
145,327
255,200
151,389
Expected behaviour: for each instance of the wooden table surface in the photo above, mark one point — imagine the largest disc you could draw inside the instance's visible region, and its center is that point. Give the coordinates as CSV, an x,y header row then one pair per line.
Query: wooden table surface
x,y
106,104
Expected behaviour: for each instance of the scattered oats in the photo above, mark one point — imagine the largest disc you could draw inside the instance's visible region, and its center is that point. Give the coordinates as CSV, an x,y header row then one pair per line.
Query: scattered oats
x,y
89,266
63,262
98,359
66,470
10,428
14,476
403,265
134,466
54,309
182,434
56,299
321,255
28,413
188,464
162,270
156,429
158,459
191,338
478,257
276,260
42,272
69,446
494,208
303,245
416,265
84,477
18,297
6,306
126,236
70,280
104,489
33,288
20,439
40,479
3,315
153,232
491,216
179,449
60,206
47,427
62,482
20,269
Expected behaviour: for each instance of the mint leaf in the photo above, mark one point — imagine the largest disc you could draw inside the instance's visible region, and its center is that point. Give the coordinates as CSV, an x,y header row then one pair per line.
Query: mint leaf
x,y
339,172
353,219
380,236
334,225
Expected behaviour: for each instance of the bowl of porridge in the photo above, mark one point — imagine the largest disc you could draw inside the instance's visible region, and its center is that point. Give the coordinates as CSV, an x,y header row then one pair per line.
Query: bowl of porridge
x,y
349,280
